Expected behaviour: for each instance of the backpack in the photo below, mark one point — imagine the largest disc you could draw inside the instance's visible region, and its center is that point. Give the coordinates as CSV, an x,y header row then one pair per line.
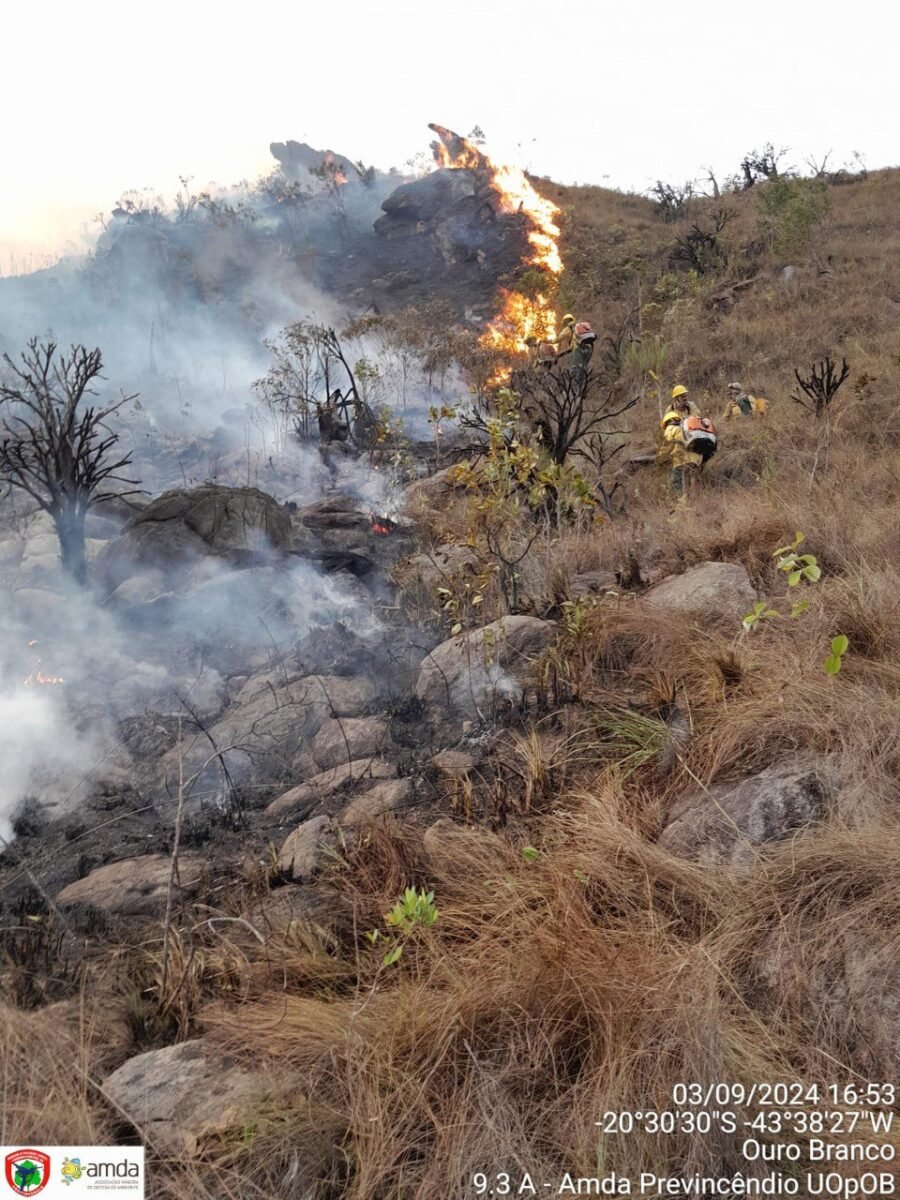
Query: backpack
x,y
584,334
698,434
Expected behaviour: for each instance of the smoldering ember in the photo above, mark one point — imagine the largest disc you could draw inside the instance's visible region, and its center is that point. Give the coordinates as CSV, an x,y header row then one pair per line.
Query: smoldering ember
x,y
443,712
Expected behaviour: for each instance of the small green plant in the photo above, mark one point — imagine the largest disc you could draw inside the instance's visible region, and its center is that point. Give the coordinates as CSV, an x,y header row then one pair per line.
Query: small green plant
x,y
530,854
414,910
759,612
797,567
839,647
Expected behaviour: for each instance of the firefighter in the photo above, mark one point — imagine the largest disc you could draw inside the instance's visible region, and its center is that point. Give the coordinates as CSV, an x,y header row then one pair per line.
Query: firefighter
x,y
565,340
684,464
742,404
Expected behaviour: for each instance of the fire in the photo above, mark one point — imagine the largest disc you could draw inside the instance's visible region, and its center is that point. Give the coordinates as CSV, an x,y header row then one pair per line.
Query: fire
x,y
381,525
335,172
520,317
37,676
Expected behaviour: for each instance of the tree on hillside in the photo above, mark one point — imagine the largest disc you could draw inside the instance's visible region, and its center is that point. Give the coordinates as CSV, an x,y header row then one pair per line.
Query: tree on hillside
x,y
54,445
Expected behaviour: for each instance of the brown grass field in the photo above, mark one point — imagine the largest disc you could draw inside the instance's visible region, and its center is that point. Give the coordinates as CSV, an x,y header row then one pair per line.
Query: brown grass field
x,y
596,974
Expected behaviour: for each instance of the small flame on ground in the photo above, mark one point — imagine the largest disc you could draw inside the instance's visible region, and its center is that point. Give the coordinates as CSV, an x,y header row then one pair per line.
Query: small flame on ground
x,y
381,525
37,676
520,317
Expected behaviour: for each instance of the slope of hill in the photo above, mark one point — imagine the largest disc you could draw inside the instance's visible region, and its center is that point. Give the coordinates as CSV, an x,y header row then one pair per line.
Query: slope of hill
x,y
661,834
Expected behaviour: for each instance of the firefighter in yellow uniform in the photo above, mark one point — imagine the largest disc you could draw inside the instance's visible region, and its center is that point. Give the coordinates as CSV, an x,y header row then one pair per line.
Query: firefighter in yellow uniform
x,y
742,404
685,464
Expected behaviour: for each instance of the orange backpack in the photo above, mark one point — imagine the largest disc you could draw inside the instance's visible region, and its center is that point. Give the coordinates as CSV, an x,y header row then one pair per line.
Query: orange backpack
x,y
699,436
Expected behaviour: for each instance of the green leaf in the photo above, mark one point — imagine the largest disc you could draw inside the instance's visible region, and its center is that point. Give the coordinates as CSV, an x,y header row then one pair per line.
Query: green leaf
x,y
800,607
794,578
373,935
840,645
392,955
832,664
530,854
813,573
580,875
457,628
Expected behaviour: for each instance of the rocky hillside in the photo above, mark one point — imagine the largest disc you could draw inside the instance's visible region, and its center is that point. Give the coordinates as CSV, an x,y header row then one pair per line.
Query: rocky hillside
x,y
379,815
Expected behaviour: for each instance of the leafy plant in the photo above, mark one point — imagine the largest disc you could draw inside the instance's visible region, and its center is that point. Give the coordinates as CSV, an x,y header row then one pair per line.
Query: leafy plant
x,y
839,647
797,567
414,910
530,854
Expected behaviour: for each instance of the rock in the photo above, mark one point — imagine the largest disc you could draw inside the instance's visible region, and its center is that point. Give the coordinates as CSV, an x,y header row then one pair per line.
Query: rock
x,y
334,650
140,588
428,572
341,740
134,887
321,787
184,1095
430,490
381,798
186,524
872,970
453,763
716,589
467,675
725,823
304,850
593,583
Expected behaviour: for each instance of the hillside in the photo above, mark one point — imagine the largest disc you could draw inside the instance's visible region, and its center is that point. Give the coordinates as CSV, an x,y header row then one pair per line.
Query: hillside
x,y
653,839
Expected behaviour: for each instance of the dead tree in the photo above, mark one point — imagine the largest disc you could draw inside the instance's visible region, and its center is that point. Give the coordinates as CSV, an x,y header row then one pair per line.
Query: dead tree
x,y
565,409
820,386
54,449
672,201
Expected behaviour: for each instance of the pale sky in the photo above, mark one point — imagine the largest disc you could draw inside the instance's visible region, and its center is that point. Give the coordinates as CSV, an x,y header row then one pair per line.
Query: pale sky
x,y
100,96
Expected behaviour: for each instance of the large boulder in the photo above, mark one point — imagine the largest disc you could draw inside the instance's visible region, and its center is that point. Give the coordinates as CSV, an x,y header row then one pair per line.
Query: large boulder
x,y
713,589
727,821
467,675
272,719
320,788
427,571
306,849
184,1095
134,887
380,799
342,740
186,524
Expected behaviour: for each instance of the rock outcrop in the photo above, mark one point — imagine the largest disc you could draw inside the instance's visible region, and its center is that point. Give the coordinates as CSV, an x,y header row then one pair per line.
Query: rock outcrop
x,y
134,887
712,589
471,673
728,821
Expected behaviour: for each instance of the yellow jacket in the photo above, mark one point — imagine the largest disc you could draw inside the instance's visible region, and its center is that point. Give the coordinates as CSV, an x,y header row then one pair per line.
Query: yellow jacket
x,y
673,448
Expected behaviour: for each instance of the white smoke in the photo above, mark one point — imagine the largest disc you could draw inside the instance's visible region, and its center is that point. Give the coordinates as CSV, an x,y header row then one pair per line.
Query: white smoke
x,y
39,749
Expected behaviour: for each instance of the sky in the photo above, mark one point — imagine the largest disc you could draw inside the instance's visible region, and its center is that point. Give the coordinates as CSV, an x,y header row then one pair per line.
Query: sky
x,y
102,97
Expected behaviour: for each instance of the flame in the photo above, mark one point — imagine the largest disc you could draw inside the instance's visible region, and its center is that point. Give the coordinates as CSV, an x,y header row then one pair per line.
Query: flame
x,y
520,317
381,525
37,676
335,173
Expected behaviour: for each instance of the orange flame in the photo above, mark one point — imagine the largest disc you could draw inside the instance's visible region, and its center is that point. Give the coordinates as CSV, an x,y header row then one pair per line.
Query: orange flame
x,y
37,675
520,317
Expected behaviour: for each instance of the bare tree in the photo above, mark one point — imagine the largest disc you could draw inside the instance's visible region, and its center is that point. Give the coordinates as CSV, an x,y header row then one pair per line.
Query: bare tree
x,y
54,449
566,411
820,385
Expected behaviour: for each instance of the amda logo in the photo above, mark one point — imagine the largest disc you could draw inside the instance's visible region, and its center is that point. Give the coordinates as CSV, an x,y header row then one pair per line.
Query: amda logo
x,y
27,1171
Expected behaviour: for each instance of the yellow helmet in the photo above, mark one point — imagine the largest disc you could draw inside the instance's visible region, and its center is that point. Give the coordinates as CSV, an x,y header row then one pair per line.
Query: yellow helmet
x,y
568,319
679,390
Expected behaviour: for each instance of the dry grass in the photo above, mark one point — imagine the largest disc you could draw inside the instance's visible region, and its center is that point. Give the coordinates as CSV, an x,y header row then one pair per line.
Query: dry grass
x,y
596,975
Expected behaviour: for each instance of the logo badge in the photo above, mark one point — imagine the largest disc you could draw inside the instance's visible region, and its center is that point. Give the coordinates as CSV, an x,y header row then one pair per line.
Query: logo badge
x,y
71,1169
27,1171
